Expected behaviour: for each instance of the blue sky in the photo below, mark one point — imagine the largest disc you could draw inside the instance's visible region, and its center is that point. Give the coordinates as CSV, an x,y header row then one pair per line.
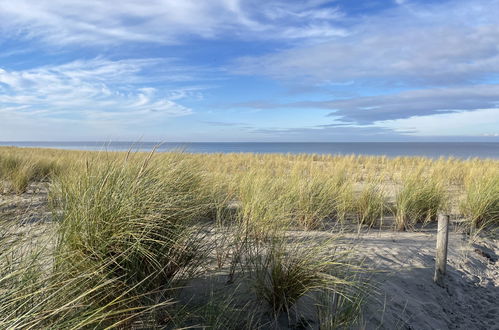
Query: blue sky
x,y
260,70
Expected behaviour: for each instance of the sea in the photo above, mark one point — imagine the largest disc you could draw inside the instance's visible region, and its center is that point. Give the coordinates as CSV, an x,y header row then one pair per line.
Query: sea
x,y
462,150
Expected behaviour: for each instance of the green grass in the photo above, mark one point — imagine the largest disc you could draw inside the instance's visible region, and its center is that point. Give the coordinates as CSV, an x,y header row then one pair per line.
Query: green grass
x,y
419,200
371,205
132,219
481,203
317,197
281,277
265,204
285,270
341,307
16,172
132,230
124,241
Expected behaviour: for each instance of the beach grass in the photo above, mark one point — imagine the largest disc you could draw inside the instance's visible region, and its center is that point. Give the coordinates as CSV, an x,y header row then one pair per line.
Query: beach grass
x,y
481,202
371,204
131,231
17,172
418,201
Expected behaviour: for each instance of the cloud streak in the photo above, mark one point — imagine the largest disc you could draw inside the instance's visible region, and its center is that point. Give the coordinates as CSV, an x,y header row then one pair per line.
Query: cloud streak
x,y
331,132
365,110
411,45
223,123
101,22
96,89
335,68
371,109
410,61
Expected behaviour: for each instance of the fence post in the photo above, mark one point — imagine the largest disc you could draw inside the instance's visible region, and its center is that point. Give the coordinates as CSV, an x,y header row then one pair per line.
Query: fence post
x,y
442,242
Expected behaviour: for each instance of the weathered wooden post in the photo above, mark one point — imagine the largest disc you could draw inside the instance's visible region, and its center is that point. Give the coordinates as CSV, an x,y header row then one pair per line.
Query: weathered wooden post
x,y
442,241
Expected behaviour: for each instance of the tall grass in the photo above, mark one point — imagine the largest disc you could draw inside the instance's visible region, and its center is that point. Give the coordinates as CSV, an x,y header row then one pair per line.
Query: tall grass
x,y
419,200
481,203
16,172
130,231
124,240
371,204
341,306
130,221
316,197
265,204
284,272
34,296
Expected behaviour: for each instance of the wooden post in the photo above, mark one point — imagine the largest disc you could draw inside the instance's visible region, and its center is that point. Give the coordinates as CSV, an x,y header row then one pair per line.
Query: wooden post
x,y
442,241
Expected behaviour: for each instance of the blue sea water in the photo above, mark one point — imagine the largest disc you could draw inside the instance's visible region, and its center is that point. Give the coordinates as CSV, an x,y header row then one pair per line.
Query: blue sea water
x,y
390,149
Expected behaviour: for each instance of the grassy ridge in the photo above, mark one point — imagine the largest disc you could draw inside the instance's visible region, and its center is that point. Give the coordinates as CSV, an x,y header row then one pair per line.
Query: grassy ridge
x,y
17,170
133,231
313,188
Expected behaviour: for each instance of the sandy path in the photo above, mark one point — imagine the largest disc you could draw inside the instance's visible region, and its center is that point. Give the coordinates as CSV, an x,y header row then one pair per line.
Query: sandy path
x,y
408,298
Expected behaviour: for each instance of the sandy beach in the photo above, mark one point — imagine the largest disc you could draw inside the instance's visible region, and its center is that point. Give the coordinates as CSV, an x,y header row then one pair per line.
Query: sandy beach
x,y
403,294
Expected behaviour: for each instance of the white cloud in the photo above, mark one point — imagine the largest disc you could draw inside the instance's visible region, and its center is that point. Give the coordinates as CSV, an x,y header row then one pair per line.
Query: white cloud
x,y
415,103
406,104
442,43
100,22
465,123
443,56
96,89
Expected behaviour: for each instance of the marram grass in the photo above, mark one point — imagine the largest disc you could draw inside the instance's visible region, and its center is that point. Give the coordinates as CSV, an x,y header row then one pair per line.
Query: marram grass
x,y
371,204
16,173
130,231
419,200
124,240
481,202
131,221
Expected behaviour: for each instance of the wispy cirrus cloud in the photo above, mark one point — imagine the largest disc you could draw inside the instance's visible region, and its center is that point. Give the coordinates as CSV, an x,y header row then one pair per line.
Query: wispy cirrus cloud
x,y
403,66
102,22
478,123
96,89
411,45
466,110
335,132
224,123
412,103
381,68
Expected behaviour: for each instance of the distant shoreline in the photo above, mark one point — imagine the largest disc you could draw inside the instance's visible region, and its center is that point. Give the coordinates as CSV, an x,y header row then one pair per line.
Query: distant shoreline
x,y
461,150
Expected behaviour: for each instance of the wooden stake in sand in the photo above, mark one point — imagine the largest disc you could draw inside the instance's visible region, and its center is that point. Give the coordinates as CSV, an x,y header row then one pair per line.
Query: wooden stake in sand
x,y
442,241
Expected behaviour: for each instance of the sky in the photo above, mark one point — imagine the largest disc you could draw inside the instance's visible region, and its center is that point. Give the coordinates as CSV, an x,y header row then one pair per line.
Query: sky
x,y
243,71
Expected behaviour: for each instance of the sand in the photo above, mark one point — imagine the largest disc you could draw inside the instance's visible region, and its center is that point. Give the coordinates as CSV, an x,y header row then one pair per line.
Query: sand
x,y
405,296
408,298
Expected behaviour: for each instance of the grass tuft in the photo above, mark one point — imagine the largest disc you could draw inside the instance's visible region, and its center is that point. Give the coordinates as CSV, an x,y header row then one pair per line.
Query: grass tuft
x,y
419,200
371,205
481,203
130,222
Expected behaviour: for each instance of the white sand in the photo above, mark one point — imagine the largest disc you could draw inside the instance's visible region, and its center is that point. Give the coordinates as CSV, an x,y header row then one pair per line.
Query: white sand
x,y
408,298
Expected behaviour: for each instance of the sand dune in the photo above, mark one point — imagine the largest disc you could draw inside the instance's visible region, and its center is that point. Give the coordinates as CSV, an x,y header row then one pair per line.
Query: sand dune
x,y
405,296
408,298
